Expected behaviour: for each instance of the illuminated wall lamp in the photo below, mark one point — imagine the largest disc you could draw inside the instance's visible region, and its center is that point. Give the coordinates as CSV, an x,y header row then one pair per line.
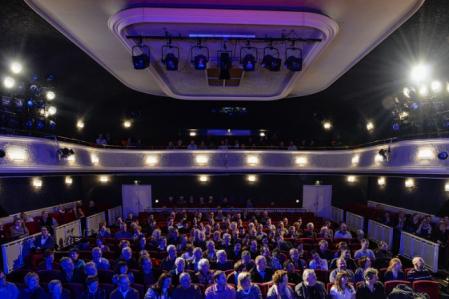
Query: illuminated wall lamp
x,y
94,159
37,183
103,179
381,181
251,178
252,160
425,154
203,178
201,159
351,178
355,160
301,161
446,187
68,180
16,154
409,183
151,160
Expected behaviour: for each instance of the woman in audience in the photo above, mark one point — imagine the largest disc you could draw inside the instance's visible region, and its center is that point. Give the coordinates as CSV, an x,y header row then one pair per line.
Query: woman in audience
x,y
370,288
160,290
363,263
19,229
246,289
317,263
280,288
341,288
49,222
32,288
394,270
56,291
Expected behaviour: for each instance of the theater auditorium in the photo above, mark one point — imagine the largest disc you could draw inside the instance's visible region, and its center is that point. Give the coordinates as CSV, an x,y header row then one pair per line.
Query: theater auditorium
x,y
211,149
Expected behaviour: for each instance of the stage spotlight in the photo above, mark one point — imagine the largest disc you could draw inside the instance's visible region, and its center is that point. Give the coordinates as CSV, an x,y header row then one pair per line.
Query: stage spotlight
x,y
420,72
443,155
36,183
65,152
140,57
16,67
293,61
436,86
170,57
271,60
50,95
9,82
52,110
199,56
248,58
225,64
370,126
80,124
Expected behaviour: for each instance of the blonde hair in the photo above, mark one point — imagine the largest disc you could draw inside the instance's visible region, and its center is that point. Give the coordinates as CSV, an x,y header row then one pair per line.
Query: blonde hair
x,y
393,262
242,277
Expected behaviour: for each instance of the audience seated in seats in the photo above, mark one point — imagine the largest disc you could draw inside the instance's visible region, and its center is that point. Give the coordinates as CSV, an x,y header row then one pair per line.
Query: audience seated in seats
x,y
363,264
346,255
232,277
77,262
383,254
186,289
236,252
127,257
394,270
343,232
93,291
296,260
292,273
8,290
26,218
100,262
419,272
49,222
204,275
424,229
44,241
371,288
56,291
162,289
177,271
210,252
220,289
309,231
261,273
280,288
122,233
90,269
341,266
32,289
103,231
19,229
247,261
124,289
323,250
364,251
246,289
342,289
69,273
147,275
49,261
100,244
310,288
222,262
317,263
122,269
197,256
169,262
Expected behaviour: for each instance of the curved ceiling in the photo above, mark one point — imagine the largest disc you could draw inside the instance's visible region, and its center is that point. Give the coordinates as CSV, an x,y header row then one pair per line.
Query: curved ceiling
x,y
348,30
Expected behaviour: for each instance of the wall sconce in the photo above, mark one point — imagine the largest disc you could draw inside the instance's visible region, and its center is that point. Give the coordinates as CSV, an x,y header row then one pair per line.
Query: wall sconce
x,y
381,181
103,179
151,160
202,159
36,183
16,154
94,159
251,178
409,183
351,179
252,160
68,180
355,160
203,178
301,161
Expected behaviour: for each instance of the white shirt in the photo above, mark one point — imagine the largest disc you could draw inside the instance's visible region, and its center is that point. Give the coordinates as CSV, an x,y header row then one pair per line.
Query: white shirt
x,y
347,293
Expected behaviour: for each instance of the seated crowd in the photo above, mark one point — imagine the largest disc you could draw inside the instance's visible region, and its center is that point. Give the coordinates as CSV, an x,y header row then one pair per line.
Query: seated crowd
x,y
216,256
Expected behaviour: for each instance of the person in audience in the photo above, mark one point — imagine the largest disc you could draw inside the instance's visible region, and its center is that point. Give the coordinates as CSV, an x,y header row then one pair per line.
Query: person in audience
x,y
49,261
341,266
77,262
100,244
341,288
103,231
233,277
382,251
147,275
127,257
69,273
204,275
162,288
292,273
236,252
343,232
122,233
197,256
364,251
310,288
122,269
100,262
186,289
90,269
246,289
317,263
280,288
19,229
222,262
56,291
177,271
49,222
295,258
394,270
371,288
44,241
8,290
220,289
247,261
32,289
93,291
261,273
323,250
424,229
124,289
363,264
309,231
346,255
169,262
419,272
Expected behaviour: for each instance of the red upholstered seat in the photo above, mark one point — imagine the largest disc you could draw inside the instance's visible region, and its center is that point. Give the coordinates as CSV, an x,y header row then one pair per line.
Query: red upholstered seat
x,y
432,288
389,285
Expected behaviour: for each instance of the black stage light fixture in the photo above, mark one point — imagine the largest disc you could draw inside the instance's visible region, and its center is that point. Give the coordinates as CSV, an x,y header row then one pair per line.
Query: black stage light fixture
x,y
140,56
293,60
199,56
170,57
443,155
271,60
248,58
65,152
225,64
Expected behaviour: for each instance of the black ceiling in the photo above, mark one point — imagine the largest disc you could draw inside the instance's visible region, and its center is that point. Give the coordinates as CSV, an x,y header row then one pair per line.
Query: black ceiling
x,y
86,89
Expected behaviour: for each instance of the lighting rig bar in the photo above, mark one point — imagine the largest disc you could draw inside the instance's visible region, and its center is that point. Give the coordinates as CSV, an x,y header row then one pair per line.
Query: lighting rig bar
x,y
246,37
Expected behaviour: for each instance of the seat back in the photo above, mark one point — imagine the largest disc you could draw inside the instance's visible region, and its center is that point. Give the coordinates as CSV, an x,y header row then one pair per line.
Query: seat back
x,y
432,288
389,285
48,275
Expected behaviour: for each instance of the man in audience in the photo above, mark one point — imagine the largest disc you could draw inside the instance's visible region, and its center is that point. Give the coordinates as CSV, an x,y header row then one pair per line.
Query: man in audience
x,y
346,255
222,262
124,289
317,263
364,251
261,273
204,274
310,288
247,261
341,266
48,221
8,290
56,291
323,250
101,262
220,289
419,272
32,289
44,241
127,257
343,232
371,288
69,273
122,233
169,262
296,259
19,229
179,268
75,257
93,291
49,261
185,289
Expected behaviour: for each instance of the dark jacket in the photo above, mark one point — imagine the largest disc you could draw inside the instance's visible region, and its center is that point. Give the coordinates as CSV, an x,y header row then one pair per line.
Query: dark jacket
x,y
304,292
48,244
100,294
363,292
37,293
191,293
132,294
257,278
